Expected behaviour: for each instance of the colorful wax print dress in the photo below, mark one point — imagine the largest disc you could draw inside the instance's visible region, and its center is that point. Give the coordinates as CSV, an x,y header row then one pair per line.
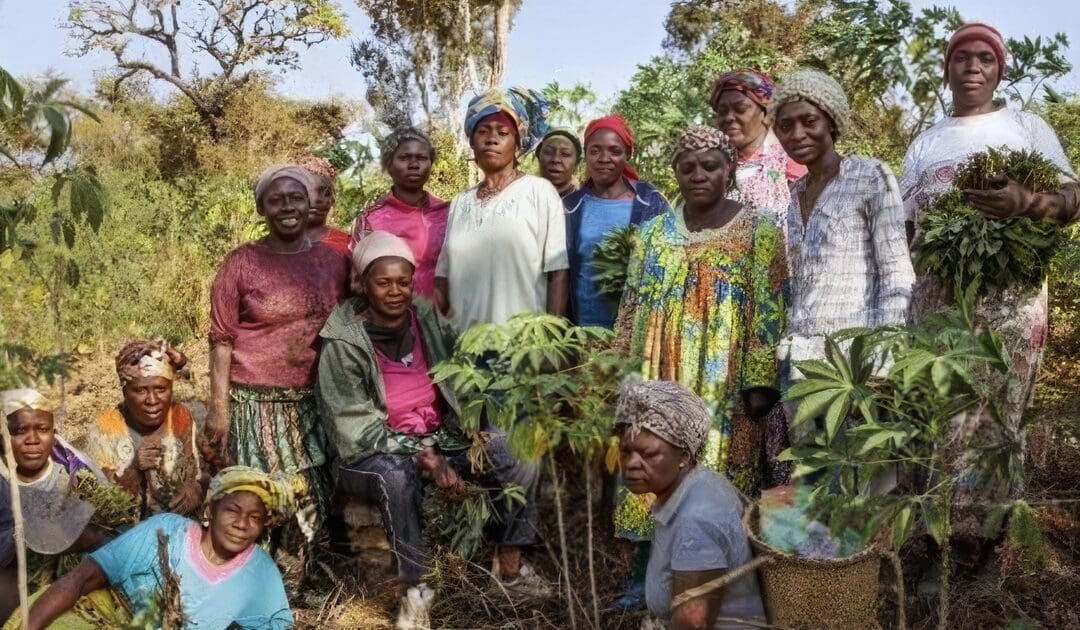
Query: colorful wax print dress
x,y
707,309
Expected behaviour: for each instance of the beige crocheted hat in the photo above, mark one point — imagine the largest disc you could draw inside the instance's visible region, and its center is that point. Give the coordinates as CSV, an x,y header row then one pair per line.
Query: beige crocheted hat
x,y
821,90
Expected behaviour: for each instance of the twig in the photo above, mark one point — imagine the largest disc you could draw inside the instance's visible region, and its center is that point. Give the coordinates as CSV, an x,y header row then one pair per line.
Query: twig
x,y
589,543
557,485
17,516
719,582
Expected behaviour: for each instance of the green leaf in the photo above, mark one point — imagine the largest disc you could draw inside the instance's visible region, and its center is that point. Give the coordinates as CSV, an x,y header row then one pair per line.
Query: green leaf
x,y
59,133
838,412
814,405
902,527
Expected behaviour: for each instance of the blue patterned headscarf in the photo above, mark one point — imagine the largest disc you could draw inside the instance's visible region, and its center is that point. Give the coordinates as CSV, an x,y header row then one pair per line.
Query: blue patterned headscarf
x,y
527,107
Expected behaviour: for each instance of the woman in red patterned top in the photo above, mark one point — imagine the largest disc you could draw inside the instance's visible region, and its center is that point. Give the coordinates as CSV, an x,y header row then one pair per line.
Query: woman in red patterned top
x,y
269,300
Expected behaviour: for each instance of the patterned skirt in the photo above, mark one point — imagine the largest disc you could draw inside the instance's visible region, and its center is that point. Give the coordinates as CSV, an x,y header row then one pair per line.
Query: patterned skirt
x,y
278,429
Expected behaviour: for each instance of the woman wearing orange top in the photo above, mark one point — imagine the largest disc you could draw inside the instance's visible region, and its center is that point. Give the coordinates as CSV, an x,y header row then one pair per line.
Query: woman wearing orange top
x,y
146,443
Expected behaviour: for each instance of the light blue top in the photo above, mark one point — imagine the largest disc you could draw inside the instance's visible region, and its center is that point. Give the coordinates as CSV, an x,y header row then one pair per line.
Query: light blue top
x,y
247,590
699,528
599,216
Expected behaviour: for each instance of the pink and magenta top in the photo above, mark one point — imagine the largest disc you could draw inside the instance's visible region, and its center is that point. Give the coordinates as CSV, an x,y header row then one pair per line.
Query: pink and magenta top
x,y
423,229
412,402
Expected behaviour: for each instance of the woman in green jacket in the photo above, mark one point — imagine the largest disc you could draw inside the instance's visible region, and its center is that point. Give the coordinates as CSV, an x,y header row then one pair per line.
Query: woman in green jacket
x,y
392,427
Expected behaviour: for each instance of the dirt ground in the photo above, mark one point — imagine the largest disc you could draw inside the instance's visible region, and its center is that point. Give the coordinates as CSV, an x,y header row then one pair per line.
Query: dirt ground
x,y
355,587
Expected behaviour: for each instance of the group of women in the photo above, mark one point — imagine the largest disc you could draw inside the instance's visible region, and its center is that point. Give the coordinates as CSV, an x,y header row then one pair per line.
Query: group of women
x,y
322,340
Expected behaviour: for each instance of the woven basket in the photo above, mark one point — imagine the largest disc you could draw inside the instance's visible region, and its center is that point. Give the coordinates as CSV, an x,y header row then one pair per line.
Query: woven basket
x,y
817,593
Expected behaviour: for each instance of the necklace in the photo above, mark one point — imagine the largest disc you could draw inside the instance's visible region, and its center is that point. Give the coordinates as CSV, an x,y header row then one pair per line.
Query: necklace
x,y
486,192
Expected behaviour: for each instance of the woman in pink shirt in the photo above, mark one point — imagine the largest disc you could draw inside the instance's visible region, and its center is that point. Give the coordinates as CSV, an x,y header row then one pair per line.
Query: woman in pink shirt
x,y
408,211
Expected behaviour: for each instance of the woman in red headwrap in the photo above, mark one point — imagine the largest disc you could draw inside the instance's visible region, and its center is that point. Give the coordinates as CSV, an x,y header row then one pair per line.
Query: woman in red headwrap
x,y
612,197
974,66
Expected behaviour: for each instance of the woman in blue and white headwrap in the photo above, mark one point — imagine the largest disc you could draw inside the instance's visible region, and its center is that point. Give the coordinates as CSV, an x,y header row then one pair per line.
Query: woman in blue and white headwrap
x,y
505,247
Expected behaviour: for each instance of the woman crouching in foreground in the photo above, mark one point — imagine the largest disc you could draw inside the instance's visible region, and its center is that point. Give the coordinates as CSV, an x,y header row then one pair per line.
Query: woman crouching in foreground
x,y
225,579
699,536
392,426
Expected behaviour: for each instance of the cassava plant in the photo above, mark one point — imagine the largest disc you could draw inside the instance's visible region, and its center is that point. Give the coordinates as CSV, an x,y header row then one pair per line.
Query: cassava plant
x,y
963,248
610,259
887,401
549,386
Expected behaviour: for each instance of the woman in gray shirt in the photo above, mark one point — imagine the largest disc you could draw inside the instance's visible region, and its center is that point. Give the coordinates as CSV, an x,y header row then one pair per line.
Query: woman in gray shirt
x,y
699,535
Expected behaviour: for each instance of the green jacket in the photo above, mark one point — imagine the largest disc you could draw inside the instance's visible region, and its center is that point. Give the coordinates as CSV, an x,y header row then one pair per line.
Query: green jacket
x,y
350,391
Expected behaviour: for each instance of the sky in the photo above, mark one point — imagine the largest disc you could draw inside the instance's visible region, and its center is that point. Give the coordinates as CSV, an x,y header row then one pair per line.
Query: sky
x,y
596,41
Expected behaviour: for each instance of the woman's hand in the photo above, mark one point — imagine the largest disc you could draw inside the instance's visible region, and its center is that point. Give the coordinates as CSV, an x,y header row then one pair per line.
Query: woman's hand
x,y
148,457
434,465
1011,200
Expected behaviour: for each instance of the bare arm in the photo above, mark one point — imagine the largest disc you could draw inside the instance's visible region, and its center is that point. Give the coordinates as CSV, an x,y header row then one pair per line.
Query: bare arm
x,y
220,363
62,595
700,612
442,294
1014,200
558,291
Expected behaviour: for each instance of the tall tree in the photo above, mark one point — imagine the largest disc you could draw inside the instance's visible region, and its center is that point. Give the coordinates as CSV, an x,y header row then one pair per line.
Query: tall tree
x,y
425,54
236,38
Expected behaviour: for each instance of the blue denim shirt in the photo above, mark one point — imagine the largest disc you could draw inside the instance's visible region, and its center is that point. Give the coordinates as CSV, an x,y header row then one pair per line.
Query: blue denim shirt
x,y
648,203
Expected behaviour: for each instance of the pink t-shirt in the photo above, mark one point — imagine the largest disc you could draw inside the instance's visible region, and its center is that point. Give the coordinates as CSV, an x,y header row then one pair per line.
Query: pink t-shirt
x,y
270,306
338,240
411,397
423,229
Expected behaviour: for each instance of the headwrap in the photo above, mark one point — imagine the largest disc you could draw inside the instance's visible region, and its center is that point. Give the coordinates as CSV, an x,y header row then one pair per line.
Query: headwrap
x,y
389,145
819,89
147,358
618,124
375,245
527,108
982,32
273,173
669,410
277,491
703,138
755,85
317,166
24,398
562,133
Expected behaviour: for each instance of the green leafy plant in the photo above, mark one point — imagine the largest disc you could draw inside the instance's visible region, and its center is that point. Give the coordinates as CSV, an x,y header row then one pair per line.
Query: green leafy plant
x,y
548,385
457,517
610,258
963,248
888,400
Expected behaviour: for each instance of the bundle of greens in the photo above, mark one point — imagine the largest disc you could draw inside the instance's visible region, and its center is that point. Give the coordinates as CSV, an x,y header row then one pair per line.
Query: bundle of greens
x,y
962,247
114,508
610,258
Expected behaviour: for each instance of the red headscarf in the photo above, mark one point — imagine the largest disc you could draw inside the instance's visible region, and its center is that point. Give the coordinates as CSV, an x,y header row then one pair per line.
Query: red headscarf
x,y
982,32
619,125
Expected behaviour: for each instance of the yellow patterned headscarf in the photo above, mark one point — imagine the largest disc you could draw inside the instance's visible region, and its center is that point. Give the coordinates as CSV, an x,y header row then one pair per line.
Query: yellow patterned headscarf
x,y
277,490
24,398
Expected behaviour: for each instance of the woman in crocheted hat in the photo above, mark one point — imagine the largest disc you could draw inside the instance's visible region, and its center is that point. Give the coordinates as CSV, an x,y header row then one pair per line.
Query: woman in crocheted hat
x,y
846,248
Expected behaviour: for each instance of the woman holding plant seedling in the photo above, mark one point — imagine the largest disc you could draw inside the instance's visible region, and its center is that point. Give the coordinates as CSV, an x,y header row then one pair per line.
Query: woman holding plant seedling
x,y
1009,166
392,426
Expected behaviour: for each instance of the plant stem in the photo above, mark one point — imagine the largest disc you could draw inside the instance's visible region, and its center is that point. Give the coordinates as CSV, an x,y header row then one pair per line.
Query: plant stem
x,y
20,534
557,485
946,563
589,542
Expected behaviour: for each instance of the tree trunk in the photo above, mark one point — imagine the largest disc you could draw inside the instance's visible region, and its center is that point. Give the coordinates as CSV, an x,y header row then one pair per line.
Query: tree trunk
x,y
470,62
501,43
